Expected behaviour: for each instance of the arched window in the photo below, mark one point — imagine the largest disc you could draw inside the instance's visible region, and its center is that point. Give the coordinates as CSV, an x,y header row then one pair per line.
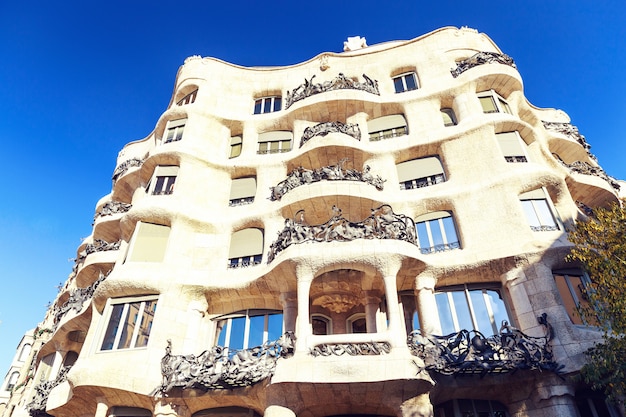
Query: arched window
x,y
492,102
246,248
12,381
387,127
419,173
250,328
405,82
24,352
70,358
321,325
188,99
174,130
236,143
436,232
267,104
357,323
120,411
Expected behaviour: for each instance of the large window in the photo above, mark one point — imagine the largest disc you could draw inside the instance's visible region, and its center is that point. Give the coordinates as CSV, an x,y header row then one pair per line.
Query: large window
x,y
321,325
275,142
128,323
538,211
174,130
25,352
12,381
470,308
405,82
419,173
267,104
188,99
242,191
236,143
246,248
571,286
470,408
512,147
491,102
163,180
250,328
387,127
436,232
148,243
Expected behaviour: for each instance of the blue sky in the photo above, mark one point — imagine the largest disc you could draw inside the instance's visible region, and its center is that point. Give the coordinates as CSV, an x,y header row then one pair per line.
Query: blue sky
x,y
79,79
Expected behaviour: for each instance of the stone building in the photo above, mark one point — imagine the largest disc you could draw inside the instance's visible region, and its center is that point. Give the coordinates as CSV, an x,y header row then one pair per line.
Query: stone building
x,y
374,232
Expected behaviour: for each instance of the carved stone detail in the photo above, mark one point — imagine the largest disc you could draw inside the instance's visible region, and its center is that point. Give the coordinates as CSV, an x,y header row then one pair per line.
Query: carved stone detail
x,y
37,407
481,58
341,82
471,353
77,299
383,223
112,207
572,132
124,166
217,368
352,349
323,129
301,176
581,167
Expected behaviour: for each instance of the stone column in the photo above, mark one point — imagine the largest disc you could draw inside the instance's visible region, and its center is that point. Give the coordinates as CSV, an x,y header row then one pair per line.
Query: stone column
x,y
196,312
278,411
371,308
102,408
398,333
427,305
289,301
302,322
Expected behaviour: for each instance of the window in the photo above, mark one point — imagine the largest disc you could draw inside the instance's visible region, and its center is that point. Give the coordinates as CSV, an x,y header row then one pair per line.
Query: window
x,y
512,147
471,308
242,191
249,328
174,130
387,127
12,381
571,286
236,143
593,404
436,232
405,82
163,180
538,211
470,408
188,99
25,352
420,173
491,102
321,325
267,104
128,323
246,248
275,142
148,243
448,116
119,411
357,324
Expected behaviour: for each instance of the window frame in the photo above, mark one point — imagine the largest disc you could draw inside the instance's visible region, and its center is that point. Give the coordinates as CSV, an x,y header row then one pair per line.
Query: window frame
x,y
243,258
402,78
499,104
163,180
508,155
268,104
188,99
412,182
241,192
174,130
322,318
533,203
446,244
118,331
575,298
133,243
236,146
278,137
449,112
223,325
387,129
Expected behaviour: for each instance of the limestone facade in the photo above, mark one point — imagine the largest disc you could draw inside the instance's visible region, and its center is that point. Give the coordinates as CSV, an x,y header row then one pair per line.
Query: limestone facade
x,y
328,212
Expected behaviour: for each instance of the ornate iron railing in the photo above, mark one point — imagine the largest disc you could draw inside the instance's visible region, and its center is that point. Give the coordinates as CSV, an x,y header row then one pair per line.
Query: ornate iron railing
x,y
422,182
383,223
323,129
77,299
514,159
570,131
301,176
112,207
37,407
100,245
443,247
219,368
352,349
471,353
581,167
481,58
241,201
125,166
341,82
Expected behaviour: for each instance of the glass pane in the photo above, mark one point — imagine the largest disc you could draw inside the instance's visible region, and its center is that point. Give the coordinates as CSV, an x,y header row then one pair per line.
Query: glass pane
x,y
489,106
498,308
462,310
505,106
435,231
237,328
319,325
422,235
397,83
447,120
481,314
179,132
568,300
114,322
257,106
466,408
285,145
544,213
529,211
277,103
410,82
257,327
235,150
169,186
262,147
416,321
448,225
221,328
129,325
170,134
267,105
359,326
275,327
274,146
445,315
158,187
145,324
